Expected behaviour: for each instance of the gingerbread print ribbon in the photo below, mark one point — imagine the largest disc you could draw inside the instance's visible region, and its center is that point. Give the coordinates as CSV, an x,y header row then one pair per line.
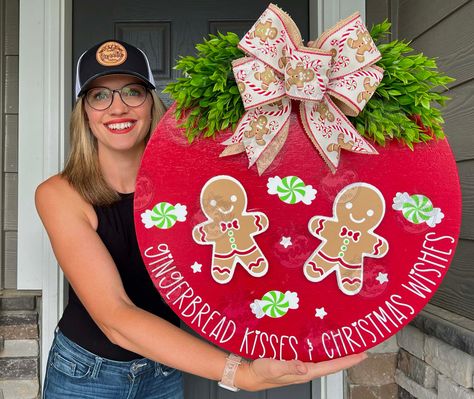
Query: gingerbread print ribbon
x,y
336,76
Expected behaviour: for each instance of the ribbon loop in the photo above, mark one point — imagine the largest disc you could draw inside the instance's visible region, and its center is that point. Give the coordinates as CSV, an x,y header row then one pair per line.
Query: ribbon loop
x,y
279,68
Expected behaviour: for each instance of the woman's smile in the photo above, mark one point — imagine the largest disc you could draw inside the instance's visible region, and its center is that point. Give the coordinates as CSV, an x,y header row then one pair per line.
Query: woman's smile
x,y
120,126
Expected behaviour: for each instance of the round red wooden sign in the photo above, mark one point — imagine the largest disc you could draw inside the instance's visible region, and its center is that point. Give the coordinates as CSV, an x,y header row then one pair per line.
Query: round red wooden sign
x,y
298,262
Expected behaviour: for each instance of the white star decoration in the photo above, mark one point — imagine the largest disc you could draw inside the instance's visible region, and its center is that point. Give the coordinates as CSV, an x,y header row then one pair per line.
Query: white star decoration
x,y
286,241
320,312
196,267
382,278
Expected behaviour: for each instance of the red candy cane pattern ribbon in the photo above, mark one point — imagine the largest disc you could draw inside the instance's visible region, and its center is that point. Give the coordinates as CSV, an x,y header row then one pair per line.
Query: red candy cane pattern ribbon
x,y
280,69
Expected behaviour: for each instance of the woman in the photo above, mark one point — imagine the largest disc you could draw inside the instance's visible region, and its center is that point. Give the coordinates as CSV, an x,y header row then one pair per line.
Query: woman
x,y
117,338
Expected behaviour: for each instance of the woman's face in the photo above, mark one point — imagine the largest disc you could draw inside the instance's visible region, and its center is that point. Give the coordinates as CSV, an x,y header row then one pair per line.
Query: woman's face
x,y
120,127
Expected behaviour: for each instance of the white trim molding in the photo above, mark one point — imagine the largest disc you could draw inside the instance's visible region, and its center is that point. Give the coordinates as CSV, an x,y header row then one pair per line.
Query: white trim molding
x,y
44,108
329,12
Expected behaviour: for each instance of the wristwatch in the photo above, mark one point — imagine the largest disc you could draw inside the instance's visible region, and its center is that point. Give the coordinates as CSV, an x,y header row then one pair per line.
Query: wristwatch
x,y
231,366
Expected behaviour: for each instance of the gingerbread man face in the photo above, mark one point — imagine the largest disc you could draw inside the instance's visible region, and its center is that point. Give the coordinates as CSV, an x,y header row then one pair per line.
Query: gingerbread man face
x,y
298,76
363,43
265,31
360,206
267,77
223,199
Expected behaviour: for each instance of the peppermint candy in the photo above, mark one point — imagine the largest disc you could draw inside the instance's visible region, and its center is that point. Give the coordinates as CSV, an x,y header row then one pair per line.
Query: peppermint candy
x,y
274,304
164,215
291,190
417,209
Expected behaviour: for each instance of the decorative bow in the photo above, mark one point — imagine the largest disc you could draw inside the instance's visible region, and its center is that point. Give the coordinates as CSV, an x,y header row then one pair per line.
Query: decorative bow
x,y
234,224
349,233
280,69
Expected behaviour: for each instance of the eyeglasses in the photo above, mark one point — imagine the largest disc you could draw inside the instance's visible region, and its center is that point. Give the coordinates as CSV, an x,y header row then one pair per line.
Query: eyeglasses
x,y
101,98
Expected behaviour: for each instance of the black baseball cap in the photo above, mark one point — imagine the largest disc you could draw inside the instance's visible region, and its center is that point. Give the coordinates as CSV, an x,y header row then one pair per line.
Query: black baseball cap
x,y
112,57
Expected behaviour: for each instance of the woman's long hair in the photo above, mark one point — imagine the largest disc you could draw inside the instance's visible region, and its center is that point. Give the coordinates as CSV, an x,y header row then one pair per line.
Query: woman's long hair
x,y
82,168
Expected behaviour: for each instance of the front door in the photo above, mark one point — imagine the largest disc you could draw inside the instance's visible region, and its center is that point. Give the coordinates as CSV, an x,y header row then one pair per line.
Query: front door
x,y
165,30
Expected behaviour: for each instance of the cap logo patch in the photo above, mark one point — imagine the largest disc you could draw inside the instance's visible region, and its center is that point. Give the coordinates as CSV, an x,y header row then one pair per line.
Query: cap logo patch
x,y
111,54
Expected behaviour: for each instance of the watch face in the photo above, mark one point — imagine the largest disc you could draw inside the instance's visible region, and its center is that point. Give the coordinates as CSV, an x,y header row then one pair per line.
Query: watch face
x,y
298,262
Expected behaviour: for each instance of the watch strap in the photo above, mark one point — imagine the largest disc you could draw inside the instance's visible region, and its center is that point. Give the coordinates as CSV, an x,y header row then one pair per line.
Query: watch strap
x,y
231,365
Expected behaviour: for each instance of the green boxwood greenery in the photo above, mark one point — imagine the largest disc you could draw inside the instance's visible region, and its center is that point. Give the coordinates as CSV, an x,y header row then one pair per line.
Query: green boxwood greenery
x,y
402,107
207,97
409,88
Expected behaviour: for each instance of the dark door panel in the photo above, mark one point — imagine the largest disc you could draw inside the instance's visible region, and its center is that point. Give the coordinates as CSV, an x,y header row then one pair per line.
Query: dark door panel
x,y
167,29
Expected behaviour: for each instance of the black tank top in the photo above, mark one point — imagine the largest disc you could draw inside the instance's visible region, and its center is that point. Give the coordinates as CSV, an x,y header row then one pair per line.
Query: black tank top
x,y
117,231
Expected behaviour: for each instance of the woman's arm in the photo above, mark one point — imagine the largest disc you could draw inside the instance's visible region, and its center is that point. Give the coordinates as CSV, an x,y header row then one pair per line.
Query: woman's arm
x,y
88,266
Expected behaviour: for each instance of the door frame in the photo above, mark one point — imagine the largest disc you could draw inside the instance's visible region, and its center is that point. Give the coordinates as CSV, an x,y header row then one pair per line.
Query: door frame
x,y
45,90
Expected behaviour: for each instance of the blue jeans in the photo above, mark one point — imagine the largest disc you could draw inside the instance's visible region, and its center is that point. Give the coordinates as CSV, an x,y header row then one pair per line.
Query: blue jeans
x,y
73,372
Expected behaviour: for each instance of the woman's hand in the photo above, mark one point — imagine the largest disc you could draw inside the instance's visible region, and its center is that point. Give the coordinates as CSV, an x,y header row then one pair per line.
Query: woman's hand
x,y
270,373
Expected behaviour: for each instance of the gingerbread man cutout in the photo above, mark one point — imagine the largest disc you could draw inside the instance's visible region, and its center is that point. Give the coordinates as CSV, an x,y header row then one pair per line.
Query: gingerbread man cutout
x,y
367,93
363,43
230,229
258,129
264,31
298,76
348,237
267,77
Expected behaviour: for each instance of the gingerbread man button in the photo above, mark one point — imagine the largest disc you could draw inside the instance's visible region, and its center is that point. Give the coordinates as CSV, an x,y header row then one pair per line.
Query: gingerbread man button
x,y
348,237
230,229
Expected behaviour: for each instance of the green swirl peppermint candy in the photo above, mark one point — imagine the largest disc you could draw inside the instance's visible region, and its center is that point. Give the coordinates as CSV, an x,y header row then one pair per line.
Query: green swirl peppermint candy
x,y
274,304
163,215
418,210
291,190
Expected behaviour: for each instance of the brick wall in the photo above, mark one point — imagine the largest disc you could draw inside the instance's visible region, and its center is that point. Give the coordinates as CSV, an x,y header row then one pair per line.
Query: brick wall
x,y
374,378
431,358
19,345
436,358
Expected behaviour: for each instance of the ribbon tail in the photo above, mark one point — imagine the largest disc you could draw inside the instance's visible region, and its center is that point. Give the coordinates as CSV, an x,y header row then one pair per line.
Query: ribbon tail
x,y
239,130
264,127
330,131
313,128
232,149
273,149
235,143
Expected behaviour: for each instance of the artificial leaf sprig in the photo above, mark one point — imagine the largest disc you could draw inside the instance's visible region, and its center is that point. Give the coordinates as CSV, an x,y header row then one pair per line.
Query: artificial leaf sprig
x,y
402,107
207,97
